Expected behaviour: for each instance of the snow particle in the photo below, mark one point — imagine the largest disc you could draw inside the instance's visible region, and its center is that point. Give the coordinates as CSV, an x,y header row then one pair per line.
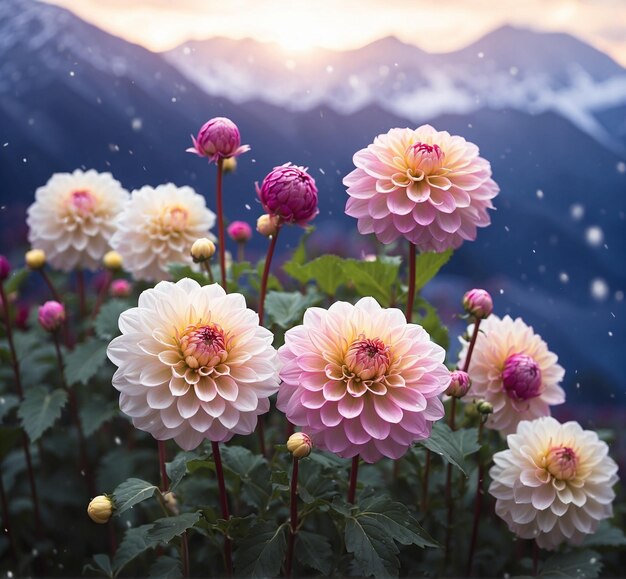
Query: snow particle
x,y
621,167
577,211
594,236
563,277
599,289
539,194
136,124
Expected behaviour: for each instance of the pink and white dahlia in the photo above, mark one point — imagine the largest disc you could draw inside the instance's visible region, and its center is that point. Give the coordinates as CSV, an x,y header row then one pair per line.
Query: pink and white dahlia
x,y
425,185
360,380
554,483
193,364
73,218
512,368
218,138
158,227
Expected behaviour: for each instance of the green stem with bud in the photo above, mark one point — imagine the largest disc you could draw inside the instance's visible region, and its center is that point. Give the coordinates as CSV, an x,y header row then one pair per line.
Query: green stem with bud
x,y
266,274
220,221
478,501
293,521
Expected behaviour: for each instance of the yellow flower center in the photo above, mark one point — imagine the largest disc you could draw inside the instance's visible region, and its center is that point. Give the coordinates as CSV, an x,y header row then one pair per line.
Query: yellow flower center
x,y
203,347
424,158
173,219
561,462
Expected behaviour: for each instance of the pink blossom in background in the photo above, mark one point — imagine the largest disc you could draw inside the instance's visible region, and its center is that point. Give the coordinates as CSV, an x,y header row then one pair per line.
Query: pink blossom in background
x,y
218,138
51,316
425,185
239,231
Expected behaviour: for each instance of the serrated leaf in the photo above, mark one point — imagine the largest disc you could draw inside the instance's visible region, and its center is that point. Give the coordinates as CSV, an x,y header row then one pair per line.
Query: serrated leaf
x,y
7,403
585,564
107,321
83,363
132,492
314,551
102,565
165,529
606,536
40,409
252,471
312,484
373,278
326,271
135,542
429,319
262,552
427,265
453,446
166,567
177,468
94,412
286,308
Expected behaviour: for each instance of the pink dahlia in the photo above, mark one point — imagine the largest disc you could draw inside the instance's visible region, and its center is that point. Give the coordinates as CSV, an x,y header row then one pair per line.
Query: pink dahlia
x,y
428,186
193,363
512,368
218,138
360,380
289,193
239,231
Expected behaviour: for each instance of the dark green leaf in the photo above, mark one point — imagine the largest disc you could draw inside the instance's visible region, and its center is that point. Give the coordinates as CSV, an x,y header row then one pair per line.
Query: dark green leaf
x,y
429,319
135,542
7,403
240,268
287,308
314,551
94,412
102,565
166,567
453,446
327,271
17,278
585,564
253,472
427,266
177,469
299,255
9,435
84,361
272,280
106,324
262,552
131,492
40,409
373,278
606,536
312,484
179,271
165,529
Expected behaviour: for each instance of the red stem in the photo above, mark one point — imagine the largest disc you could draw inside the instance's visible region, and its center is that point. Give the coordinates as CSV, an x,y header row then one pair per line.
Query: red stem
x,y
220,222
411,295
478,501
82,300
293,528
241,251
185,554
354,473
53,291
224,504
260,428
472,343
449,500
102,294
425,481
162,460
266,274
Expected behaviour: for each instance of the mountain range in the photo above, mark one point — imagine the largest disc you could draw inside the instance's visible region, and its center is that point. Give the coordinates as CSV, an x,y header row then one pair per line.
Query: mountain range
x,y
72,95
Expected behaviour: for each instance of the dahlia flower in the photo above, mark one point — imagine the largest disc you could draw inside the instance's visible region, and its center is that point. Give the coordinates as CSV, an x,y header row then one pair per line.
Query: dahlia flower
x,y
240,231
512,368
193,364
425,185
73,218
217,139
554,483
51,316
158,227
360,380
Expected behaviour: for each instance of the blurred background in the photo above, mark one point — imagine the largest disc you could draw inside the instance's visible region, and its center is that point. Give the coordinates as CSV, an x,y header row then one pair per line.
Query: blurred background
x,y
540,86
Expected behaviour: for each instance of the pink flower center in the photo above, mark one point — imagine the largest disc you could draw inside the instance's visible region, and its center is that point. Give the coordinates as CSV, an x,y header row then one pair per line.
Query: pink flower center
x,y
367,358
203,346
521,377
82,202
561,462
174,219
424,157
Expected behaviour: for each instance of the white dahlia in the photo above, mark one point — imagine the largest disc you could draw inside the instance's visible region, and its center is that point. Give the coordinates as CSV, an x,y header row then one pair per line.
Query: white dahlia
x,y
158,227
554,483
73,218
512,368
193,364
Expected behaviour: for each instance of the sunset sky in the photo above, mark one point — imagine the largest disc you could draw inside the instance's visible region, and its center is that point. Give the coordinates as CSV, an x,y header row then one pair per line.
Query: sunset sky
x,y
436,26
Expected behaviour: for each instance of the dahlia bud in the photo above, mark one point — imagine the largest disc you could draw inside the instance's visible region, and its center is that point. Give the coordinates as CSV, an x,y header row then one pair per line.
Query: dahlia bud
x,y
120,288
100,509
35,258
5,268
229,165
521,377
299,445
51,316
239,231
112,260
217,139
485,408
267,225
289,192
171,502
459,384
202,249
478,303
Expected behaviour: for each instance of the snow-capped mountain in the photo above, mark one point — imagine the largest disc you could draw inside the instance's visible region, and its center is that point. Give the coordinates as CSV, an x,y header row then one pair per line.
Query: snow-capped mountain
x,y
508,68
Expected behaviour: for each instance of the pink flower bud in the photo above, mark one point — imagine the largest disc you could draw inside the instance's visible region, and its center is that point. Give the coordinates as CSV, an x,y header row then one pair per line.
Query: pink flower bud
x,y
120,288
51,316
5,268
218,138
521,377
290,193
478,303
459,384
239,231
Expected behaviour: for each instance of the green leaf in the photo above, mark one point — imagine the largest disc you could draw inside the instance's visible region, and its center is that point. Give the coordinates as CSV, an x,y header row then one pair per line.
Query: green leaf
x,y
585,564
429,319
238,268
166,567
252,471
107,321
606,536
299,255
177,469
453,446
40,409
9,435
287,308
373,278
17,278
427,265
272,281
132,492
83,363
312,484
262,552
326,271
179,271
314,551
135,542
7,403
103,565
165,529
94,412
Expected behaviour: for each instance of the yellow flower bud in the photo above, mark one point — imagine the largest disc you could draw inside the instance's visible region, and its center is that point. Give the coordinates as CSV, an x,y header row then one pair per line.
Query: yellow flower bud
x,y
35,258
267,225
202,249
112,260
100,509
299,445
229,164
171,502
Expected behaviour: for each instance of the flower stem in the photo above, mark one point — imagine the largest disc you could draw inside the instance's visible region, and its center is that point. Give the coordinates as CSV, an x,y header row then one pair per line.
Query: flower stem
x,y
7,524
535,558
472,343
425,481
209,271
260,428
162,460
477,508
220,222
293,528
266,274
449,500
82,299
224,504
102,294
354,473
410,299
241,251
48,281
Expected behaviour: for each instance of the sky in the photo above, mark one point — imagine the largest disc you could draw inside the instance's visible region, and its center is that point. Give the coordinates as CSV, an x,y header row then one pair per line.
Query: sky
x,y
433,25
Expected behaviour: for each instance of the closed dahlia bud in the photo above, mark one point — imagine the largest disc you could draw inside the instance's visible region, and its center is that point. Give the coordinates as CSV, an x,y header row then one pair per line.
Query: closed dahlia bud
x,y
267,225
229,165
35,258
202,249
239,231
484,407
51,316
120,288
478,303
521,377
289,192
299,445
112,260
100,509
459,384
171,502
5,268
217,139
